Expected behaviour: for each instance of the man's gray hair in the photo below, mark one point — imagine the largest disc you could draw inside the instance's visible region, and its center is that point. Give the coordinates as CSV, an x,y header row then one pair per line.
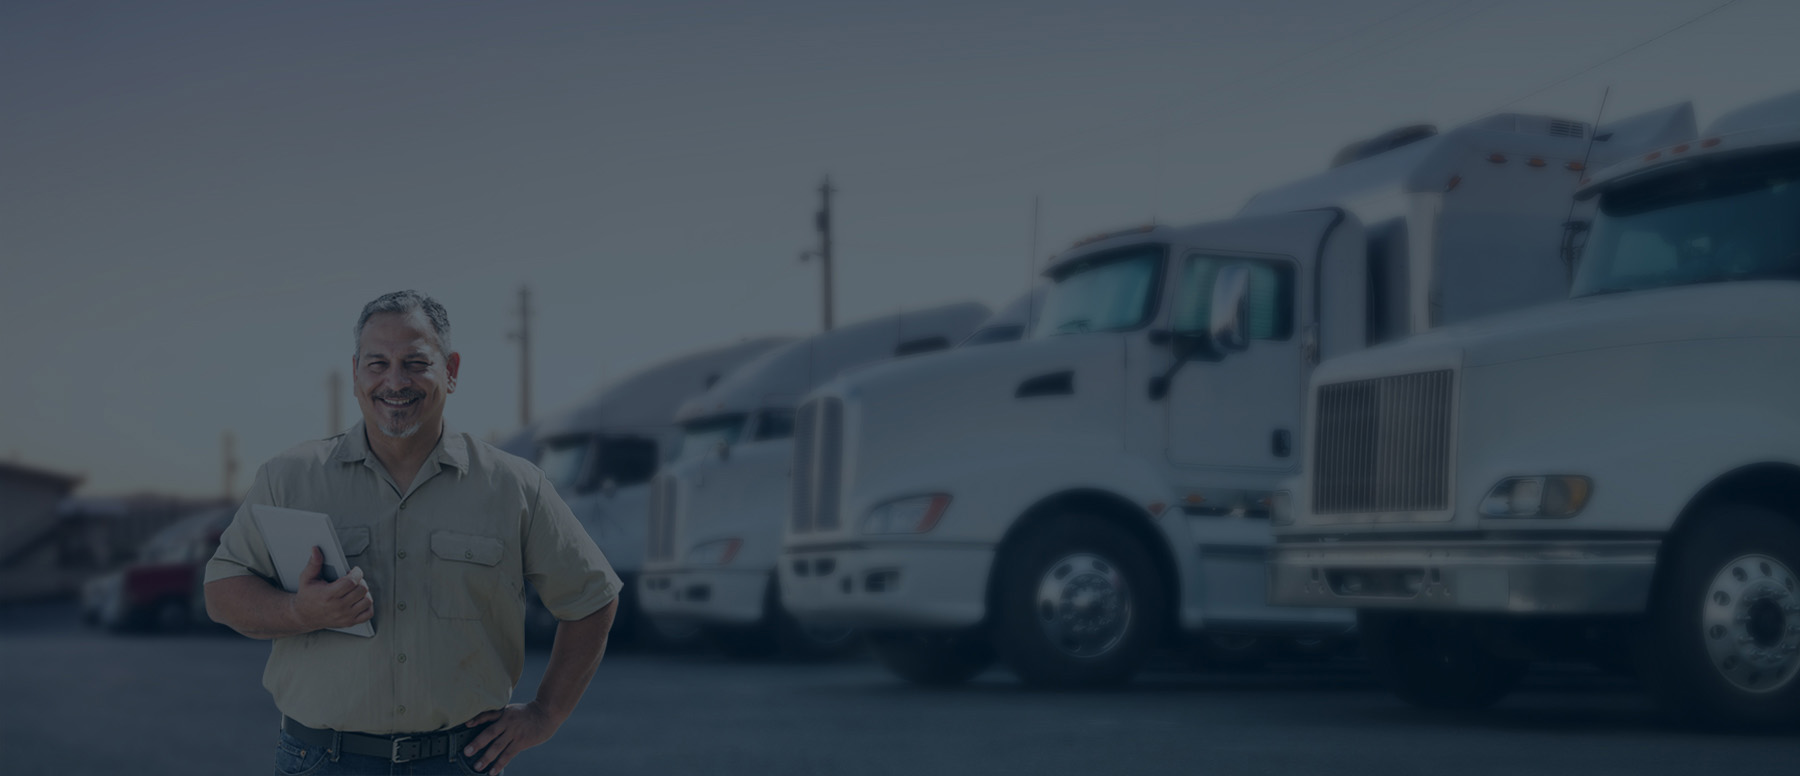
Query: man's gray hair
x,y
404,302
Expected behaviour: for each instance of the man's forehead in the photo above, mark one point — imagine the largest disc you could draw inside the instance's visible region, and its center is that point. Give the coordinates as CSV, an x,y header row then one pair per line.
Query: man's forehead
x,y
398,334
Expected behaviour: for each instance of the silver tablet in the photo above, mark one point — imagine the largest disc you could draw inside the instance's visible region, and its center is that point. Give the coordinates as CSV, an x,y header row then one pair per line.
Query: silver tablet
x,y
290,535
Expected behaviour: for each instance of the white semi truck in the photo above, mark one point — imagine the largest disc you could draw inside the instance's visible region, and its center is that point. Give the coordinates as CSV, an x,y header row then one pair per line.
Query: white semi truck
x,y
1614,477
1072,499
717,509
1009,323
600,453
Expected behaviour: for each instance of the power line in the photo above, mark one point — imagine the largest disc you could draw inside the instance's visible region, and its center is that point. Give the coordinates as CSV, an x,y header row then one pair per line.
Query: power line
x,y
1236,82
1627,50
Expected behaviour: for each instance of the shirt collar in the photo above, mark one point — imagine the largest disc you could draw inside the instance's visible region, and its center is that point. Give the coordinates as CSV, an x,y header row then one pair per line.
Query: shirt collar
x,y
452,449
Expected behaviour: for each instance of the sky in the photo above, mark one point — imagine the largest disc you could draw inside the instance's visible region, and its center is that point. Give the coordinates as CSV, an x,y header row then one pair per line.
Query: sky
x,y
200,197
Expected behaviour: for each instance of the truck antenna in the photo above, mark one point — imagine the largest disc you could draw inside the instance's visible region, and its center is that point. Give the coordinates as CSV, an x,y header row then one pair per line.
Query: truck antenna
x,y
1569,227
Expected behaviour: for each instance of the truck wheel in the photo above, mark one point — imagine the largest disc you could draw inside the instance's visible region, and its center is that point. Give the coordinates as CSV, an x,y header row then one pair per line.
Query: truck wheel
x,y
1077,604
540,624
814,642
937,659
171,616
1724,630
743,642
778,634
1232,652
1436,662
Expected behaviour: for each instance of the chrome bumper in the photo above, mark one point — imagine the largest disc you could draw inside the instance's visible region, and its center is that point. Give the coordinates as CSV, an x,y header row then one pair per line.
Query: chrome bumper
x,y
1547,576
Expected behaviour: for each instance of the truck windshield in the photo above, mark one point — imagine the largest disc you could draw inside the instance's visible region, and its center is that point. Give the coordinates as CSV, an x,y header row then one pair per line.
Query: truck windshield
x,y
702,436
1106,293
563,461
1738,220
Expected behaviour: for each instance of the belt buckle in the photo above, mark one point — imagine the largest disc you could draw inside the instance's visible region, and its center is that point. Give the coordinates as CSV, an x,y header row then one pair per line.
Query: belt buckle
x,y
406,749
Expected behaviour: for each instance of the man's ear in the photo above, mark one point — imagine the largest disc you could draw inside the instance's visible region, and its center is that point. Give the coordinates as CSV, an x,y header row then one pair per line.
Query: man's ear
x,y
452,363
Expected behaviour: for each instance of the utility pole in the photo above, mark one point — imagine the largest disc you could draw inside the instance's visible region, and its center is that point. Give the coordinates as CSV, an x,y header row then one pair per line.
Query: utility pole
x,y
229,441
823,221
334,397
523,337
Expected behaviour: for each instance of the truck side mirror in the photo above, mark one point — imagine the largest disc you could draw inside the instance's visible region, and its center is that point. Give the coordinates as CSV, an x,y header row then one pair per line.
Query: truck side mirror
x,y
1573,242
1229,331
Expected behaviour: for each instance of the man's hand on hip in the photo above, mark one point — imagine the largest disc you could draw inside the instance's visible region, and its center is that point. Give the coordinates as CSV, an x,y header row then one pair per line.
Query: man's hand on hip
x,y
516,728
319,604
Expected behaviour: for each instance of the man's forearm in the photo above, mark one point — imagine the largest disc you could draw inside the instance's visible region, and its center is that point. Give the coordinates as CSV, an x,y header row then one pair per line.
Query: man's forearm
x,y
253,607
574,657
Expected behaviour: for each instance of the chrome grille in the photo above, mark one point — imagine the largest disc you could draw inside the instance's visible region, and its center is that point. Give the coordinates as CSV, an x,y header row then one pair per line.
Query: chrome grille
x,y
1383,445
818,453
662,518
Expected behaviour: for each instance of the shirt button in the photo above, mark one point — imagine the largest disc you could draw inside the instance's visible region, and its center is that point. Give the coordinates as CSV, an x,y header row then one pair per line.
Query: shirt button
x,y
403,554
402,657
402,505
403,606
401,710
468,553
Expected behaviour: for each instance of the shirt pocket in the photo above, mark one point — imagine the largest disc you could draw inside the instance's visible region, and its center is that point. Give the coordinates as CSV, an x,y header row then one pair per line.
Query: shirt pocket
x,y
466,579
354,540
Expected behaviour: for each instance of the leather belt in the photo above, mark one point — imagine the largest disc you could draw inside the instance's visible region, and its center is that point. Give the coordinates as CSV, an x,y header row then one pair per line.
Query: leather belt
x,y
398,748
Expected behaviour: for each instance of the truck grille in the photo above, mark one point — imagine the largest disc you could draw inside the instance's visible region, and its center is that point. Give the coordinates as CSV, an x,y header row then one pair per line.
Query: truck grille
x,y
662,518
818,465
1383,445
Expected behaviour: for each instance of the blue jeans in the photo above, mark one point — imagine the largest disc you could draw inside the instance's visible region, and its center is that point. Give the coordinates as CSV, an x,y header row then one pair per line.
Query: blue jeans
x,y
294,757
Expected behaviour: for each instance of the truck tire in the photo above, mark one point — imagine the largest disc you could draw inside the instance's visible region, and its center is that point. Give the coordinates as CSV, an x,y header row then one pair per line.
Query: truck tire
x,y
936,659
778,634
1724,630
540,624
170,616
1077,604
1228,652
1436,662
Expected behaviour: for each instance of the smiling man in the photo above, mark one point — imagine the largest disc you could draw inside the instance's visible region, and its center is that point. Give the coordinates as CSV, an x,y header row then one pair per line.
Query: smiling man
x,y
443,531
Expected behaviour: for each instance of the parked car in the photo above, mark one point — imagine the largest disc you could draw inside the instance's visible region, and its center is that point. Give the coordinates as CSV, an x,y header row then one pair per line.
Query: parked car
x,y
161,589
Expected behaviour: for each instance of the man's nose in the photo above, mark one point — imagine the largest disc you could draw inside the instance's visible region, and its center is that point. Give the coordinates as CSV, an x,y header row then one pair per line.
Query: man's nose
x,y
395,379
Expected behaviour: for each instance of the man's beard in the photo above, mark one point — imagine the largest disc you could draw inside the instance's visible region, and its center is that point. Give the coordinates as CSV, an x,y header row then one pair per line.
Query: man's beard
x,y
400,433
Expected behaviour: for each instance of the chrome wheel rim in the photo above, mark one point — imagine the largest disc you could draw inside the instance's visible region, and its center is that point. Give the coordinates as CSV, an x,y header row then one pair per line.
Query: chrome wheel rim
x,y
1750,622
827,636
1084,605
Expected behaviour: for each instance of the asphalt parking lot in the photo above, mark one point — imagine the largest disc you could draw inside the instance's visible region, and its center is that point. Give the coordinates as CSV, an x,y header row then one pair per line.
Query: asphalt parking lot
x,y
80,701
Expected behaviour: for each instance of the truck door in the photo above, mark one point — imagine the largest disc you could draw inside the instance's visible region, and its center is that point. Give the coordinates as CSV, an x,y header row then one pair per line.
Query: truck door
x,y
1242,412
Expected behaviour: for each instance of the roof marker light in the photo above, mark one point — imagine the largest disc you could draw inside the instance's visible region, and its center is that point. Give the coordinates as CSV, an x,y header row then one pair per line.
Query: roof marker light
x,y
1534,162
1652,156
1679,149
1710,142
1497,158
1455,180
1576,166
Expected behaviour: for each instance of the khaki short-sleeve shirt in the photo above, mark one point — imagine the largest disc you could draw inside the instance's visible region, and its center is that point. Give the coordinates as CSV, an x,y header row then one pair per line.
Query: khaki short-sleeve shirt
x,y
446,564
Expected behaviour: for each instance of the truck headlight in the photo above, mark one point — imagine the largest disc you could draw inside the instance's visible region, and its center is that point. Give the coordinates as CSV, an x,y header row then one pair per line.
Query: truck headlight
x,y
1546,496
915,514
717,553
1281,508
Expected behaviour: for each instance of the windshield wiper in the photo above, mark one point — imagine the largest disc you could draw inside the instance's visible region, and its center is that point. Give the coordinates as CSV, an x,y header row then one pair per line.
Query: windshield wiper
x,y
1079,324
